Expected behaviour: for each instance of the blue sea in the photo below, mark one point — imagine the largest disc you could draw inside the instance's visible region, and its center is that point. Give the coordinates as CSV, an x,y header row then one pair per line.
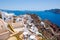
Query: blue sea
x,y
53,17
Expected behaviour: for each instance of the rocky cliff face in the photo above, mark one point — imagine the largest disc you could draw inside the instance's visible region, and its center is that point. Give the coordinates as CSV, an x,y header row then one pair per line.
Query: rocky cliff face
x,y
55,28
48,29
33,27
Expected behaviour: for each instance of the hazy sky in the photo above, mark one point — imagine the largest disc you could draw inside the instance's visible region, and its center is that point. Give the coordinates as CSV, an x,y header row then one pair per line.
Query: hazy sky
x,y
29,4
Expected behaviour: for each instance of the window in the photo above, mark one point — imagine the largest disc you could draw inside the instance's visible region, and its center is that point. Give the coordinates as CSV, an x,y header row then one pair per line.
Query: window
x,y
0,16
4,18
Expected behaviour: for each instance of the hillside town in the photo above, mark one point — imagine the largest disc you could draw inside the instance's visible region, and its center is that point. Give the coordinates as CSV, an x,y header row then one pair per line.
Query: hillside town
x,y
27,27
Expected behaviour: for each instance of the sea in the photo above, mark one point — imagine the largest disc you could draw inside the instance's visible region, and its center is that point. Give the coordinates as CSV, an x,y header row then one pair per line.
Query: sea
x,y
53,17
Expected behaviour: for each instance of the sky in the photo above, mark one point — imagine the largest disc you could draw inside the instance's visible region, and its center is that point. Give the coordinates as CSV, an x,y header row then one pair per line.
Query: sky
x,y
29,4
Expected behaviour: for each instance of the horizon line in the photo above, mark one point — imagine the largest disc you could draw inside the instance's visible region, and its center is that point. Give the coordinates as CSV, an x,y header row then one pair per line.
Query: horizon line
x,y
29,9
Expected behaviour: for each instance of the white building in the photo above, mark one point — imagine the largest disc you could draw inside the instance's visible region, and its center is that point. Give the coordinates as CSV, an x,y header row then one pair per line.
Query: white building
x,y
7,17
